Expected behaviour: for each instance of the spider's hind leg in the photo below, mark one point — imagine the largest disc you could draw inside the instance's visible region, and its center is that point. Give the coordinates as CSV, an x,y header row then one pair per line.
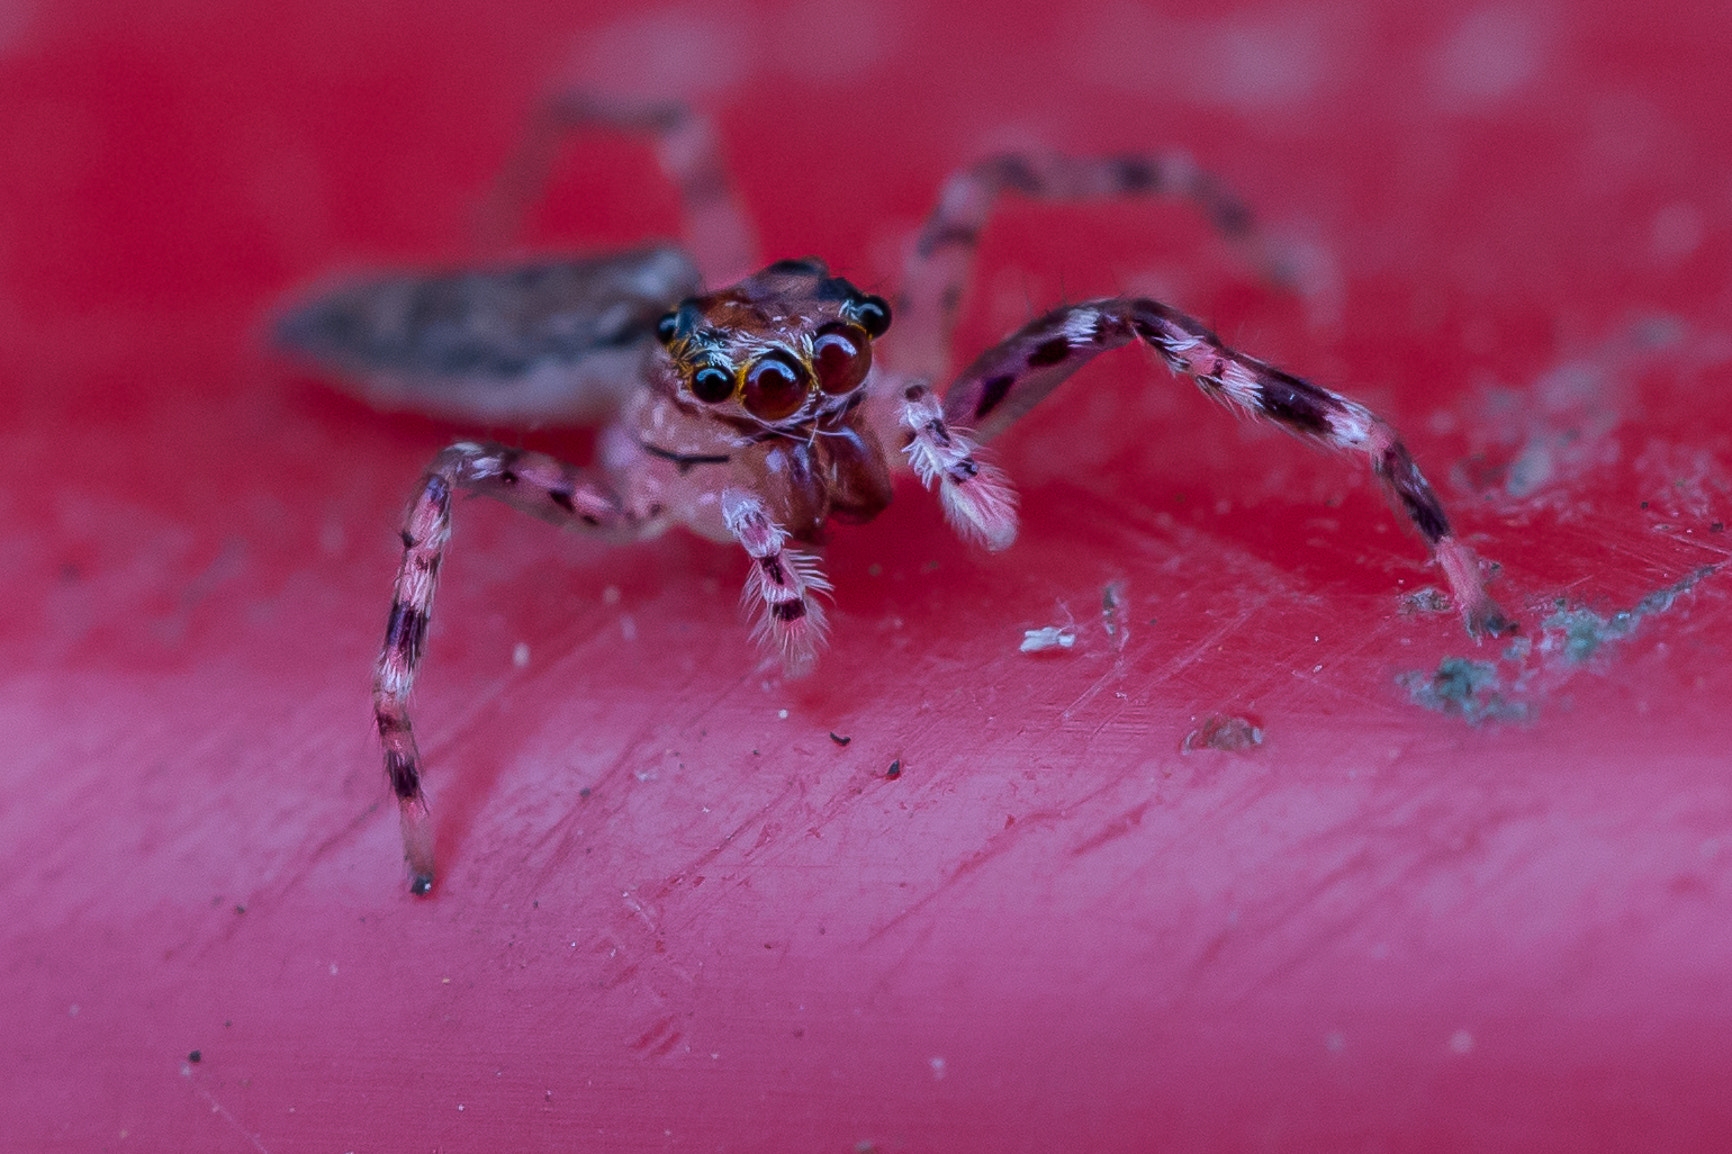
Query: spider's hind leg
x,y
717,230
942,261
1012,377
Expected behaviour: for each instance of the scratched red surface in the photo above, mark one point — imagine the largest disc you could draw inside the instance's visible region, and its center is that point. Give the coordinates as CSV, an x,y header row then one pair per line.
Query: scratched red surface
x,y
1487,913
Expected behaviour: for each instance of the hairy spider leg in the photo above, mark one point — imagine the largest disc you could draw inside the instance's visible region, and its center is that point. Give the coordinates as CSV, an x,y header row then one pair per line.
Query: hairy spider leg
x,y
717,230
534,482
782,587
1008,380
938,269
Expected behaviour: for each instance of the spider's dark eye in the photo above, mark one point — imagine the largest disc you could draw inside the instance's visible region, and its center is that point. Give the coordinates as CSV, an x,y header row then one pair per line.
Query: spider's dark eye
x,y
712,385
667,327
841,358
873,313
775,387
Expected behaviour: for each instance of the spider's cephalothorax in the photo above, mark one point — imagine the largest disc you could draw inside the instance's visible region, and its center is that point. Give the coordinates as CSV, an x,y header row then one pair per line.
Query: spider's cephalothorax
x,y
784,348
756,413
781,360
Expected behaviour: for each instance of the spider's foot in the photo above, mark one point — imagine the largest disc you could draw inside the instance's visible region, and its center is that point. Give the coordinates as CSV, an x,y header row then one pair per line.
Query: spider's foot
x,y
1482,615
418,843
1488,620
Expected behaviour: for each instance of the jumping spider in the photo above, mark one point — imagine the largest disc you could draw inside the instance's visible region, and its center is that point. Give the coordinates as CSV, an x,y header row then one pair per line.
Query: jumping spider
x,y
759,412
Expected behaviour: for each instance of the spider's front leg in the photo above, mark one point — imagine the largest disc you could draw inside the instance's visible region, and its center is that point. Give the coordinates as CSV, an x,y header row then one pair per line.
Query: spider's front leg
x,y
783,586
537,484
1008,380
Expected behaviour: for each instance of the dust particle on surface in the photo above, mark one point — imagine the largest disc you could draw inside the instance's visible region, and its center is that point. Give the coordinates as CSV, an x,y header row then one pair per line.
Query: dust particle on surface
x,y
1579,632
1230,732
1462,688
1429,599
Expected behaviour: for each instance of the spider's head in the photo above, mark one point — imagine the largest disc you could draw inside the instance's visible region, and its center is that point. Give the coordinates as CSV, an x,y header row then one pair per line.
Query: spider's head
x,y
780,347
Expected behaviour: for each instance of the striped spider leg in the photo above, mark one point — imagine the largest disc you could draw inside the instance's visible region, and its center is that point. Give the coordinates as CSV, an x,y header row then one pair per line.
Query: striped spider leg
x,y
717,231
1010,378
941,263
533,482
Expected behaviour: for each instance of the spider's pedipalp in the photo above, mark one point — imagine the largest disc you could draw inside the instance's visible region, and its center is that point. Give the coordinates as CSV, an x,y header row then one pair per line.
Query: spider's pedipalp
x,y
978,499
1012,377
783,587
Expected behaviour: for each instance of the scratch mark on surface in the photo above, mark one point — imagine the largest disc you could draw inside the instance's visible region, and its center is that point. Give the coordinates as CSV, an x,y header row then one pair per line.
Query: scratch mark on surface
x,y
1116,828
218,1108
995,847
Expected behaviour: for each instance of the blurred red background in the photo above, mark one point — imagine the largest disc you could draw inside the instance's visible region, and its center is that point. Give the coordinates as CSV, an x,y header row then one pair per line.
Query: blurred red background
x,y
1482,914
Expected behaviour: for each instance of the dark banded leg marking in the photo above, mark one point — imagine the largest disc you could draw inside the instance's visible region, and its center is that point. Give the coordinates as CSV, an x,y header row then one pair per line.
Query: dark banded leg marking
x,y
1011,378
940,266
534,482
717,229
782,588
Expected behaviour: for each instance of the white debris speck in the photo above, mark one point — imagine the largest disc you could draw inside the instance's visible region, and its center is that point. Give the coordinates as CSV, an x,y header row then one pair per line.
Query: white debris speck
x,y
610,595
520,654
937,1069
782,713
1461,1042
1048,637
627,627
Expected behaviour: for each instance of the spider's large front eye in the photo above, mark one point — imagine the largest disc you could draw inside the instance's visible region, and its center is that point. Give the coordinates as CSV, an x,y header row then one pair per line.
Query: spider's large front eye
x,y
841,358
873,313
712,385
775,387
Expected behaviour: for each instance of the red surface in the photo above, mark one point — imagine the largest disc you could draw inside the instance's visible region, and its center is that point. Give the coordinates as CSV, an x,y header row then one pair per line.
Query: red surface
x,y
671,918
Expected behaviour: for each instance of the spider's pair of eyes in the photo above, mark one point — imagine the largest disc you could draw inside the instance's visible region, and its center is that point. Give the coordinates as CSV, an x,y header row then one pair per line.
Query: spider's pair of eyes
x,y
776,384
